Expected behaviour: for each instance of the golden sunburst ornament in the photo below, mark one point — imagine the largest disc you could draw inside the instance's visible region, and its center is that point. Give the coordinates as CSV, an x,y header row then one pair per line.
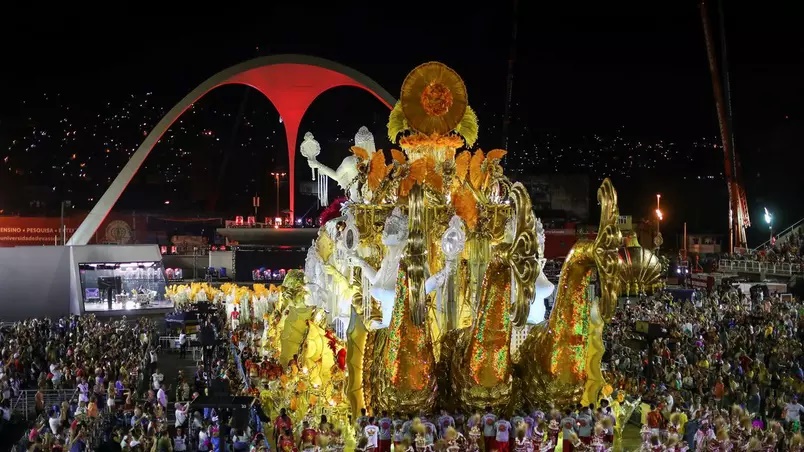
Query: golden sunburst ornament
x,y
433,99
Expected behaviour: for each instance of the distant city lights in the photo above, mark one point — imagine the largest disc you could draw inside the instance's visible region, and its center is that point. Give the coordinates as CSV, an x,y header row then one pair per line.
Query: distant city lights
x,y
86,147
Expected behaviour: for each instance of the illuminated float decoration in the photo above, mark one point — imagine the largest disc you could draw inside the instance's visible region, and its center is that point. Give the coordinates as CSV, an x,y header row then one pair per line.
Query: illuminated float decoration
x,y
643,272
432,262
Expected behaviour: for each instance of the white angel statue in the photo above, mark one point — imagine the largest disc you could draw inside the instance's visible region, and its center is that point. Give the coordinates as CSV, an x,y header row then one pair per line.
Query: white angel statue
x,y
346,173
315,278
544,288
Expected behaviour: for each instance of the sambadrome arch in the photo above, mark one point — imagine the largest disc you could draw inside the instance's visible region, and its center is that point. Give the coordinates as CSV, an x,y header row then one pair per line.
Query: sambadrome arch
x,y
290,82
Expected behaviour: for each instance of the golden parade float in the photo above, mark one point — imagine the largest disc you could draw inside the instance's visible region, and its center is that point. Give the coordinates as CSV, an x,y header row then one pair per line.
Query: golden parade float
x,y
411,294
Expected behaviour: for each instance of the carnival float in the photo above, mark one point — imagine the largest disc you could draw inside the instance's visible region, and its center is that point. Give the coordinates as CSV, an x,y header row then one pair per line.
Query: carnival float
x,y
421,276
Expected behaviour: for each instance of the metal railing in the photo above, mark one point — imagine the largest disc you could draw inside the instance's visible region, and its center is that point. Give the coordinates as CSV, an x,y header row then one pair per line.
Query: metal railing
x,y
25,403
768,268
781,235
170,343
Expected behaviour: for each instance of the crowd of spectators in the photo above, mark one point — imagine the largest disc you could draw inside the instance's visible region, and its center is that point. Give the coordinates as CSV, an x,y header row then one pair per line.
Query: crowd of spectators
x,y
115,396
787,250
724,368
97,364
703,358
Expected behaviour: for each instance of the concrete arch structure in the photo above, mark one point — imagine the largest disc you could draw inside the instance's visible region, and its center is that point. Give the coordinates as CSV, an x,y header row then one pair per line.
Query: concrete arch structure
x,y
290,82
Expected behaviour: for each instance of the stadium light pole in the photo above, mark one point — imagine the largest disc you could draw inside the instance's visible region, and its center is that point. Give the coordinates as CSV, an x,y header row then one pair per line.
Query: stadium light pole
x,y
276,178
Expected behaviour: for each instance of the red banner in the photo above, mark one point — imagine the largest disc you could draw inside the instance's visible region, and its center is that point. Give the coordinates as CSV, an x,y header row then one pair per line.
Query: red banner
x,y
559,242
46,231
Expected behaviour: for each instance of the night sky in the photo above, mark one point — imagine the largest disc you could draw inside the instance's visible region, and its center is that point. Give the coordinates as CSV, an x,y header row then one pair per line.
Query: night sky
x,y
580,70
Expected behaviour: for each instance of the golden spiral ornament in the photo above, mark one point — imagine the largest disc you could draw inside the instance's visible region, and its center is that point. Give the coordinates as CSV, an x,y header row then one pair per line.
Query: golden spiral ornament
x,y
522,253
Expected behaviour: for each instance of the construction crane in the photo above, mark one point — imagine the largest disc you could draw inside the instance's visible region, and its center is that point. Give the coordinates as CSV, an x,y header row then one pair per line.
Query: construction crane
x,y
739,219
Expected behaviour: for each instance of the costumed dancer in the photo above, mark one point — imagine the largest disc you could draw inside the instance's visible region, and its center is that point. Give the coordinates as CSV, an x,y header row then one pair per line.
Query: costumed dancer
x,y
475,436
608,421
646,434
547,447
769,443
598,443
652,445
405,446
421,443
608,429
576,445
285,442
755,443
324,439
337,440
674,444
418,430
515,421
530,424
796,443
522,443
538,433
307,436
703,435
721,441
362,445
553,429
740,433
456,442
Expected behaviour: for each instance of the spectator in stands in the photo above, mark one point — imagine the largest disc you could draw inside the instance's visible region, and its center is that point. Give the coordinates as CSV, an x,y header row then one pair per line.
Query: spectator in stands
x,y
180,414
157,378
161,397
5,412
726,349
54,421
179,439
153,359
182,344
182,390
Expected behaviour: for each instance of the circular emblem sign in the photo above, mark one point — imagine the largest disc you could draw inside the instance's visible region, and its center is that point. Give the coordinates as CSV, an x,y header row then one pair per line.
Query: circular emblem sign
x,y
119,232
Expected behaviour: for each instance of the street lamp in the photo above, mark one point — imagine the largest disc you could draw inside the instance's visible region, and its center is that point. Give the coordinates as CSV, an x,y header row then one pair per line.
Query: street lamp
x,y
658,240
276,177
769,220
658,210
